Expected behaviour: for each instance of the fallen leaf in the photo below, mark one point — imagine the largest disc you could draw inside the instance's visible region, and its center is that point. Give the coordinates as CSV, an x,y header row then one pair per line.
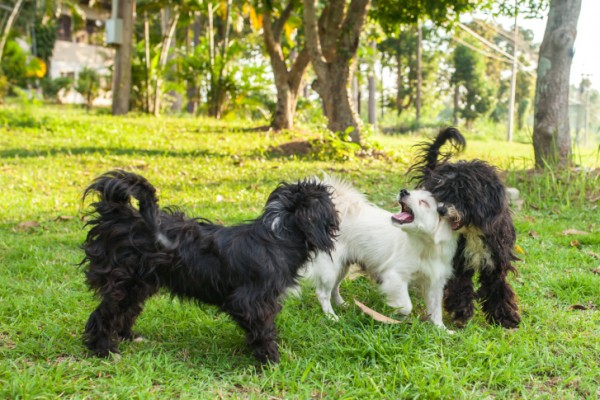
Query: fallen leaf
x,y
591,253
575,243
375,315
534,234
519,249
596,270
64,218
574,232
23,226
589,306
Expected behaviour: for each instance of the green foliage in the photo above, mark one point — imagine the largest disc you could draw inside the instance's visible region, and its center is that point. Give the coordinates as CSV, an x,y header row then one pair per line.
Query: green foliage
x,y
339,146
4,86
470,76
88,85
14,64
392,13
45,37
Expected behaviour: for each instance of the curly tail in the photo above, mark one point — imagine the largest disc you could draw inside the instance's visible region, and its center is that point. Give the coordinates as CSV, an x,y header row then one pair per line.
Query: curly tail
x,y
430,155
116,188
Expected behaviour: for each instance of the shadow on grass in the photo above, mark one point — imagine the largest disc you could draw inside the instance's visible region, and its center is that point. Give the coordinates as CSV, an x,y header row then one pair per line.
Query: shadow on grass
x,y
24,153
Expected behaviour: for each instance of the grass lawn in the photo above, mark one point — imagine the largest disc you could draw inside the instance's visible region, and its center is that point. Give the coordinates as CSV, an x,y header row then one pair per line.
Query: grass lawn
x,y
224,171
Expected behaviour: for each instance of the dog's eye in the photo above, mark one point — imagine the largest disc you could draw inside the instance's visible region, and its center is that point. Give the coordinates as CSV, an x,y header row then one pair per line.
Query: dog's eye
x,y
424,203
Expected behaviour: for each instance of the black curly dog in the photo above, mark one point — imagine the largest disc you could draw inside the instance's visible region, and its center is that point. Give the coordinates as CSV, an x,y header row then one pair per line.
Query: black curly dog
x,y
244,269
488,233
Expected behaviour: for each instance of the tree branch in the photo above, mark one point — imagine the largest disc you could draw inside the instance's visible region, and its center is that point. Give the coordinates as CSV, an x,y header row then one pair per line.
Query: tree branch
x,y
297,70
285,15
352,26
273,44
313,43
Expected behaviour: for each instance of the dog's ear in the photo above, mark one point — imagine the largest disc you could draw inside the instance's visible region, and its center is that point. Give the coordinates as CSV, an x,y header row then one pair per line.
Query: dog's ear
x,y
303,208
451,214
443,230
317,218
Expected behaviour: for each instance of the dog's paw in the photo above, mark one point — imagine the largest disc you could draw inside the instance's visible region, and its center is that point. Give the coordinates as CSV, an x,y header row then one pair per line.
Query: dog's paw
x,y
332,317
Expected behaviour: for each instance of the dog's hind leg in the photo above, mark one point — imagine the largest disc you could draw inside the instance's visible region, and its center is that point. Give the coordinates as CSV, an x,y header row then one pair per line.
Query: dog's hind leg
x,y
327,276
459,295
113,319
395,288
498,298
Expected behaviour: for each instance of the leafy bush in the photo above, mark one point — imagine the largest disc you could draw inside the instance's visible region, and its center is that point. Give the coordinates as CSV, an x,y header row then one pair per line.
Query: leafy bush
x,y
339,146
88,85
14,64
45,37
51,87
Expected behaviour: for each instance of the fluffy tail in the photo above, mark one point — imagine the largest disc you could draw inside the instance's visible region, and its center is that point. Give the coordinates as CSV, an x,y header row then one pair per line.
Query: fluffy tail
x,y
116,188
430,155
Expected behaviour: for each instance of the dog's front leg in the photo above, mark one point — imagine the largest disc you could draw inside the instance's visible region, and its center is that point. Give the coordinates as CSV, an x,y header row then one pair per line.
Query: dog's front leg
x,y
498,298
433,292
459,295
259,324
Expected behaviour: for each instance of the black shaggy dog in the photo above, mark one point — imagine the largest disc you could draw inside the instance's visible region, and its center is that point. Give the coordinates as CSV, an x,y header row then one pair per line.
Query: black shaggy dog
x,y
485,221
244,269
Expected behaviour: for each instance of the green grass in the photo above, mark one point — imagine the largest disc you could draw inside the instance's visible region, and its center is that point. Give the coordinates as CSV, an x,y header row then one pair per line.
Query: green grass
x,y
224,171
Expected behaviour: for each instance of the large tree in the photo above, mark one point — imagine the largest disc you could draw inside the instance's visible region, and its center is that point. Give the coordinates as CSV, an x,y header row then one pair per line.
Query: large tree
x,y
332,41
551,134
288,80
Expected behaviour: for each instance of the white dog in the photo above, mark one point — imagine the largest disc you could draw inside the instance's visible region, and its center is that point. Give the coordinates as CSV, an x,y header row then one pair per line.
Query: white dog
x,y
416,245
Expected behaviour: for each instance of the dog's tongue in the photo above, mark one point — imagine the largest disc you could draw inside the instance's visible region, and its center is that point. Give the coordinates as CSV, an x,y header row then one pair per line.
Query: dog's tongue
x,y
403,217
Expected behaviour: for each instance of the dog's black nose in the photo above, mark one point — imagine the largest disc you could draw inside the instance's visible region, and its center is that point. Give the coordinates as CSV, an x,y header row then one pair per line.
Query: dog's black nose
x,y
403,193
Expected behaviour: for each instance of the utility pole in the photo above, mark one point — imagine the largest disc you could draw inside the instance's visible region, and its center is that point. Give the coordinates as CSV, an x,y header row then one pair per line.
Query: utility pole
x,y
513,82
121,35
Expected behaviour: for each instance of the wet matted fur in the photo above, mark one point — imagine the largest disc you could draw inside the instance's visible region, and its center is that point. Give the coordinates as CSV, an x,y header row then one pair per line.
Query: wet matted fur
x,y
130,253
487,231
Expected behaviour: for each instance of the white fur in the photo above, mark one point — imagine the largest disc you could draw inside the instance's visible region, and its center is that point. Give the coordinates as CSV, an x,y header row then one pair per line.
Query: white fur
x,y
394,255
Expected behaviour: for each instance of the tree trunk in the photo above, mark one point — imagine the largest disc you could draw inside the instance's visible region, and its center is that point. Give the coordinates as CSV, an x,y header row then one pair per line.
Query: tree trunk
x,y
551,136
171,24
456,100
332,41
218,91
147,56
290,82
372,105
419,73
192,89
121,85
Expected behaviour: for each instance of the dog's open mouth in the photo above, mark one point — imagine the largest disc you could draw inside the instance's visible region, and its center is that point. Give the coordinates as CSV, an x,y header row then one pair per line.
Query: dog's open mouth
x,y
405,217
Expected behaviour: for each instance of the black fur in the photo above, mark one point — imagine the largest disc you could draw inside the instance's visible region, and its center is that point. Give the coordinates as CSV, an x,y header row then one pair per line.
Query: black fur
x,y
476,191
243,269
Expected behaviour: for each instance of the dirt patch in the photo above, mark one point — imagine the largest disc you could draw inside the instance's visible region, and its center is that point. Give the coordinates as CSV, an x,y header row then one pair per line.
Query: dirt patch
x,y
295,147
